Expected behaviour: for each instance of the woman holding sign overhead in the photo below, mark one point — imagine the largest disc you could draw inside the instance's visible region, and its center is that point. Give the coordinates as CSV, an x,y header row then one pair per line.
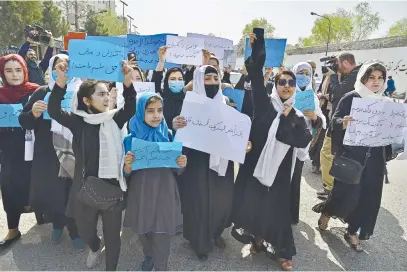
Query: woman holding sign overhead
x,y
314,119
98,183
153,202
206,186
261,210
173,91
357,202
15,171
53,161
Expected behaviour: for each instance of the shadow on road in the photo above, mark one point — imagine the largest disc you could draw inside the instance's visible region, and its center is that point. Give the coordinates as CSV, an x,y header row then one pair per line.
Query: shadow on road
x,y
385,251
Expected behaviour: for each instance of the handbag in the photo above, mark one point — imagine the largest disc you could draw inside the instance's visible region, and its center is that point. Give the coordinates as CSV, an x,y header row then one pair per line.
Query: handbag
x,y
98,193
348,170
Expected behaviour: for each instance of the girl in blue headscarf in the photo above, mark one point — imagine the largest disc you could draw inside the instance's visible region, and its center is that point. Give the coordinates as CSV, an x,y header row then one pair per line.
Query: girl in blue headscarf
x,y
153,203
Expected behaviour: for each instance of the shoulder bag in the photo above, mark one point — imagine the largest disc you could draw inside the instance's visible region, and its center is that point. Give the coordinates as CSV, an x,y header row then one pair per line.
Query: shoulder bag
x,y
98,193
348,170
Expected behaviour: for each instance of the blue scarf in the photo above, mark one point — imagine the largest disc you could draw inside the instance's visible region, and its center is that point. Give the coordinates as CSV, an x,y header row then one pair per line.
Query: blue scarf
x,y
138,127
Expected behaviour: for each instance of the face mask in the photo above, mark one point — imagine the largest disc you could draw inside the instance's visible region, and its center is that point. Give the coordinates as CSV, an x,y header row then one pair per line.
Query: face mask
x,y
176,86
302,80
211,90
55,76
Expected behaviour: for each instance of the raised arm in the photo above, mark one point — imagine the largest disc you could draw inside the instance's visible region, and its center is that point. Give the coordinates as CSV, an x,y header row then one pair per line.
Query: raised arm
x,y
55,111
24,49
254,65
48,55
26,118
293,130
129,109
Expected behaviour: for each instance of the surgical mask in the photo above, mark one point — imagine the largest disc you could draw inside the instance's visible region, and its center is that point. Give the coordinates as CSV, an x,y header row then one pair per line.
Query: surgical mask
x,y
211,90
55,76
176,86
302,80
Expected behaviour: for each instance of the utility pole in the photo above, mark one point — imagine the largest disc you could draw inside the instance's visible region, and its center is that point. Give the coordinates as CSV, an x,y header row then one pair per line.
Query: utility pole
x,y
76,16
131,19
124,4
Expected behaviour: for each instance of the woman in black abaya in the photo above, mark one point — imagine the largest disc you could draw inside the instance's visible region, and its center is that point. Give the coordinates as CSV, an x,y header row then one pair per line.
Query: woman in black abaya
x,y
261,210
206,186
357,204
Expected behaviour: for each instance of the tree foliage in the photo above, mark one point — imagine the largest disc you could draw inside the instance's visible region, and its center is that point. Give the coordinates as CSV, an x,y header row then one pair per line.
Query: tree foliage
x,y
52,19
105,24
260,23
354,25
15,15
399,28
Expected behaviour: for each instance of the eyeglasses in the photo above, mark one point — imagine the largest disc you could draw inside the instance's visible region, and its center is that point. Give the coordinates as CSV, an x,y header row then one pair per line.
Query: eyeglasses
x,y
283,82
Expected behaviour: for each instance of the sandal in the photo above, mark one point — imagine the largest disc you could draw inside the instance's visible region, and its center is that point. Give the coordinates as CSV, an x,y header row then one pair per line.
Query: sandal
x,y
357,247
321,225
286,265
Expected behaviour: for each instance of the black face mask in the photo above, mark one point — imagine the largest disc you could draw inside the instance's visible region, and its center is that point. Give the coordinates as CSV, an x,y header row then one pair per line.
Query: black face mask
x,y
211,90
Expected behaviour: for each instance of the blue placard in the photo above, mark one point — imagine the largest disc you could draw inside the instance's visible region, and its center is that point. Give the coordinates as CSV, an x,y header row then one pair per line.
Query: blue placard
x,y
155,154
95,60
275,49
146,49
65,104
9,115
305,100
116,40
236,96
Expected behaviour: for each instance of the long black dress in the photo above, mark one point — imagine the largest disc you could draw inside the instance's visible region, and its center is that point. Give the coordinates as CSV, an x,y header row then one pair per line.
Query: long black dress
x,y
49,193
206,201
358,205
15,173
260,211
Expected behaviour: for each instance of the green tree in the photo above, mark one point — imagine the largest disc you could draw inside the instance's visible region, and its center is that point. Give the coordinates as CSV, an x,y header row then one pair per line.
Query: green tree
x,y
354,25
110,24
15,15
105,23
261,23
364,21
52,19
399,28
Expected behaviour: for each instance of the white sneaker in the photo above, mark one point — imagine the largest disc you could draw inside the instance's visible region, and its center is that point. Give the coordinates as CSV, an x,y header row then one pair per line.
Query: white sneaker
x,y
93,259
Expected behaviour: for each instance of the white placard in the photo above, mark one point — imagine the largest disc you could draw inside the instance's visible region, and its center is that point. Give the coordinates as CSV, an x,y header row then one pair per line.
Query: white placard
x,y
183,50
403,155
143,87
375,123
215,45
214,128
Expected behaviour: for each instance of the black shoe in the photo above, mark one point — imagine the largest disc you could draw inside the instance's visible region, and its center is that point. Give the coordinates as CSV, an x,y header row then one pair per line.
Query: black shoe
x,y
220,242
148,264
203,257
6,243
364,236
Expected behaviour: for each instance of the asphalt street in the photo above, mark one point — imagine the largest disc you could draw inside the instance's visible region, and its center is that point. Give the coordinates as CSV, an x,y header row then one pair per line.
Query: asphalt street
x,y
315,250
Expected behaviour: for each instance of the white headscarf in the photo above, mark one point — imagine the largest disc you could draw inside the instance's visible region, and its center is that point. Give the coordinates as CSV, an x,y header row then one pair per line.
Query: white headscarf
x,y
274,151
303,152
73,86
362,90
111,151
216,163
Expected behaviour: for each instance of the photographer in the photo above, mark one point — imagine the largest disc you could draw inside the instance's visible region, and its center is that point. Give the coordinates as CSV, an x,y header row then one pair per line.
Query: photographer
x,y
36,71
341,83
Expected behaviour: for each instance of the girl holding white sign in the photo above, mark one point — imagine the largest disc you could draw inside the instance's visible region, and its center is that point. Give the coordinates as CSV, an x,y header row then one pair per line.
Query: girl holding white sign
x,y
153,202
357,202
206,186
261,211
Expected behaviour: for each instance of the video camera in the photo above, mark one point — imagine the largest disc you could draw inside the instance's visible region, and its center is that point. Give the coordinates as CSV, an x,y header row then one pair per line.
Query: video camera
x,y
330,62
37,34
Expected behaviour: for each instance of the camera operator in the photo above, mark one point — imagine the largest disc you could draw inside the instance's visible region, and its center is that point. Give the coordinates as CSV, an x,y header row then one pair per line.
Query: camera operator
x,y
340,84
36,71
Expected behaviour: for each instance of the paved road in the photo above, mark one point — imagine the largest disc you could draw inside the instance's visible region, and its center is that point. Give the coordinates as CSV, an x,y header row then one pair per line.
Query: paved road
x,y
386,251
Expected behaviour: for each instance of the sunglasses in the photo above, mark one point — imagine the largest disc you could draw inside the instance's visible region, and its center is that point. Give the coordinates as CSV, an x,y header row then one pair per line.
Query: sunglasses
x,y
283,82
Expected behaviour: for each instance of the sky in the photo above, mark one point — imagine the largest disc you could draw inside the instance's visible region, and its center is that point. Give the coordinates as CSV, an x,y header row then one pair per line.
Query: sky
x,y
227,18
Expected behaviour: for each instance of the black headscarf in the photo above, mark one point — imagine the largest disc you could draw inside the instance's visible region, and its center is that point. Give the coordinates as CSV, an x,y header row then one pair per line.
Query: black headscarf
x,y
172,101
